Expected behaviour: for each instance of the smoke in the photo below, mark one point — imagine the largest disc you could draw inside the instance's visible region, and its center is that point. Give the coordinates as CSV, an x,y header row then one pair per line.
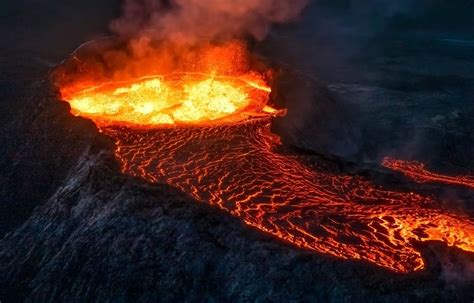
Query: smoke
x,y
194,21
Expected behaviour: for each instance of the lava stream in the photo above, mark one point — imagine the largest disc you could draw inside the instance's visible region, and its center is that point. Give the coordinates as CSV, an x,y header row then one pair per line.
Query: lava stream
x,y
418,172
236,168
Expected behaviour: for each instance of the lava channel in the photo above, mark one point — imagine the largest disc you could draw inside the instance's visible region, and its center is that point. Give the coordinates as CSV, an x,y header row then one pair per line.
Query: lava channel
x,y
419,173
236,168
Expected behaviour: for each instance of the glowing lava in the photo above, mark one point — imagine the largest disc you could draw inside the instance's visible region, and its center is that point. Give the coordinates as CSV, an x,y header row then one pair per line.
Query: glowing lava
x,y
418,172
173,99
205,85
236,168
225,155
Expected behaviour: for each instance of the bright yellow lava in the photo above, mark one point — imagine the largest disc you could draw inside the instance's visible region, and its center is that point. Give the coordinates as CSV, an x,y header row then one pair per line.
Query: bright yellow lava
x,y
176,99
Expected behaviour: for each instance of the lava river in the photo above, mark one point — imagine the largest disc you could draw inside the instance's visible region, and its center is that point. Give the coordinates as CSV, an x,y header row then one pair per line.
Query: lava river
x,y
419,173
236,168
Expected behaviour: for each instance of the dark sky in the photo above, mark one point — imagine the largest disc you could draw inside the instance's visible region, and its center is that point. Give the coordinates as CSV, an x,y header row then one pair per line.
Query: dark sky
x,y
55,27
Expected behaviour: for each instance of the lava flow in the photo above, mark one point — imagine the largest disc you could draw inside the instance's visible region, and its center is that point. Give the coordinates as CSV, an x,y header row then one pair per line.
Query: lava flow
x,y
208,134
418,172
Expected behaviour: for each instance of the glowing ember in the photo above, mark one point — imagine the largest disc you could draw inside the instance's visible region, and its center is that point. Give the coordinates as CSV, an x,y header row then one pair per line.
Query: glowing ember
x,y
418,172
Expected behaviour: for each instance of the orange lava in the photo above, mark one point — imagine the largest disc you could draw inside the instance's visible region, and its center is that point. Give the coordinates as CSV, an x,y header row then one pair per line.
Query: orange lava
x,y
236,168
215,85
173,99
418,172
205,129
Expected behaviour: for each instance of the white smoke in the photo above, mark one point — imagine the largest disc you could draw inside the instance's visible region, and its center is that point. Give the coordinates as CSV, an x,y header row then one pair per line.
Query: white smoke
x,y
195,21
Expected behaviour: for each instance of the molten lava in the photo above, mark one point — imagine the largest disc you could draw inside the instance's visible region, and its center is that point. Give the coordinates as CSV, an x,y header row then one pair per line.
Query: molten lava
x,y
203,85
186,98
236,168
226,156
418,172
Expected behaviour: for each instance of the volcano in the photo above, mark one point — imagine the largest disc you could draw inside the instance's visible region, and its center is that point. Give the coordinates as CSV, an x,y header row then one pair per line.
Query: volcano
x,y
193,152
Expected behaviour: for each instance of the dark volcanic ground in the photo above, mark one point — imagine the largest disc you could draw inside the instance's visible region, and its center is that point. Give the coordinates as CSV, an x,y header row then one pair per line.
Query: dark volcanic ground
x,y
75,229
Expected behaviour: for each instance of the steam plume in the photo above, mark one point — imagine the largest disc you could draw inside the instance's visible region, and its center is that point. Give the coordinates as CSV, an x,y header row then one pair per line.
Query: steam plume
x,y
195,21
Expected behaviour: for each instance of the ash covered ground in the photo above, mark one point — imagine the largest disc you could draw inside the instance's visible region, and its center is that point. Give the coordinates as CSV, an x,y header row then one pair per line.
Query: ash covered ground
x,y
75,229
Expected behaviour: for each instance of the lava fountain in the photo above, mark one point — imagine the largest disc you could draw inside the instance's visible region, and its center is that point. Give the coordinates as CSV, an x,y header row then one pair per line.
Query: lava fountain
x,y
205,129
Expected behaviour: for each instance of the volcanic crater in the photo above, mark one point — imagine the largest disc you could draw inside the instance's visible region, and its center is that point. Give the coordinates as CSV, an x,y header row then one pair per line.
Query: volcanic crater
x,y
208,133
